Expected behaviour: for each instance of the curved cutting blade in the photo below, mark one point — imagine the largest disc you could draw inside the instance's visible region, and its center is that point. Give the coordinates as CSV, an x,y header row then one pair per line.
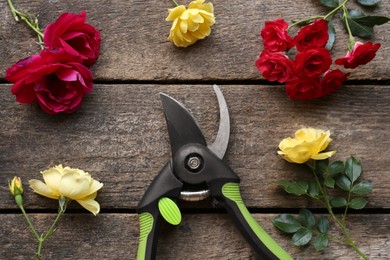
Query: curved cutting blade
x,y
182,127
220,144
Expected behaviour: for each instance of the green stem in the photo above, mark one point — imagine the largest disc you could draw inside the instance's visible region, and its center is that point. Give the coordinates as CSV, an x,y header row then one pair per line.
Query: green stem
x,y
325,17
30,225
305,21
32,24
341,224
175,3
351,38
342,5
48,233
346,208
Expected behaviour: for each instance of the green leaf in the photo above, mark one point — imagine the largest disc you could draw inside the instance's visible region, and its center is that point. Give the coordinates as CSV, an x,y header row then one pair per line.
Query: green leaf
x,y
336,167
360,30
353,168
371,21
314,190
329,3
357,203
307,218
332,36
294,187
329,182
343,183
302,237
322,166
357,29
323,225
321,242
368,2
362,188
338,202
286,223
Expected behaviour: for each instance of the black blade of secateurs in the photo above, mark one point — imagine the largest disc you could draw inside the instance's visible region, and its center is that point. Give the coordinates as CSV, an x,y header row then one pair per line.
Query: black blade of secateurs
x,y
182,127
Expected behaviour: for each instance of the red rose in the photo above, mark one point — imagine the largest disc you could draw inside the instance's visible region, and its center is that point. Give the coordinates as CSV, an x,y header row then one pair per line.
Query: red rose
x,y
71,33
312,63
275,36
55,79
274,66
361,54
332,80
312,36
304,89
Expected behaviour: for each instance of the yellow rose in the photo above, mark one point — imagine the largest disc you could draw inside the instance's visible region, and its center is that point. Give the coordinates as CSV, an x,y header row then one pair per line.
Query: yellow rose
x,y
307,144
15,186
192,24
71,183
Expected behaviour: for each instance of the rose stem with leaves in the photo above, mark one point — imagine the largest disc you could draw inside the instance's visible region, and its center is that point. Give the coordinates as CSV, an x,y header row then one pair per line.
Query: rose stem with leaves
x,y
42,238
325,200
329,16
29,21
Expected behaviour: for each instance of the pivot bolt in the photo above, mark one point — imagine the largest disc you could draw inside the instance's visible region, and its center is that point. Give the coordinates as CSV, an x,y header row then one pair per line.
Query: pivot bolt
x,y
194,162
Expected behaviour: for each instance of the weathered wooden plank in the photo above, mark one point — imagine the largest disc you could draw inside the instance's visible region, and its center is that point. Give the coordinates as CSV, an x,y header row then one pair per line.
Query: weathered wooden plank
x,y
134,33
115,236
119,135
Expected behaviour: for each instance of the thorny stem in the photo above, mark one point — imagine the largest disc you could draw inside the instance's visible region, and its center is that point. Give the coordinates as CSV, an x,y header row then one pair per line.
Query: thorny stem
x,y
30,225
32,24
341,224
351,38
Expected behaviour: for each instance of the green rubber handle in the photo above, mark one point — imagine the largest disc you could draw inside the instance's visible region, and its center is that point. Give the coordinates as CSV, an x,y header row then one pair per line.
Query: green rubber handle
x,y
146,221
260,240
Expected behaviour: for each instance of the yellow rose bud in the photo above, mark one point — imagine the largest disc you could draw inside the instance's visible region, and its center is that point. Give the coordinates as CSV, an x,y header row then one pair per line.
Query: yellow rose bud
x,y
15,186
307,144
70,183
192,24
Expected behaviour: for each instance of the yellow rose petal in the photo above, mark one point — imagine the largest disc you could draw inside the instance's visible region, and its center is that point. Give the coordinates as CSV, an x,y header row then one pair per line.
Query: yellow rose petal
x,y
52,177
90,204
42,189
73,186
322,156
175,12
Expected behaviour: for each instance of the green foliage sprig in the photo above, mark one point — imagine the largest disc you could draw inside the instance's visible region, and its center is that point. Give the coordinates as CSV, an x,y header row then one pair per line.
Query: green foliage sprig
x,y
336,177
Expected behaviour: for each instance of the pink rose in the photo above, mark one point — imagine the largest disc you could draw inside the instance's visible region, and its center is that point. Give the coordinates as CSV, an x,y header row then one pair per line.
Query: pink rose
x,y
54,78
77,38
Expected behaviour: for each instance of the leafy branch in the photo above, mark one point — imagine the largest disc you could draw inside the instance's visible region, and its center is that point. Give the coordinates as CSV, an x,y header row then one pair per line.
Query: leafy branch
x,y
338,175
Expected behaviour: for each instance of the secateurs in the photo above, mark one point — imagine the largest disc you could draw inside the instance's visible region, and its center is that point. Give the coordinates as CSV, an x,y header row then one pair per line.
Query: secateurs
x,y
195,164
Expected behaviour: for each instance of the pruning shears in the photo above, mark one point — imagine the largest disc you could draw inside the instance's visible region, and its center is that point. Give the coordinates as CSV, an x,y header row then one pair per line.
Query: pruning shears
x,y
195,172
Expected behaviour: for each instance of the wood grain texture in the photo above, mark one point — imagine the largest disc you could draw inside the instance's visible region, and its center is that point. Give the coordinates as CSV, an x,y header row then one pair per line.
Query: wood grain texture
x,y
211,236
120,137
134,32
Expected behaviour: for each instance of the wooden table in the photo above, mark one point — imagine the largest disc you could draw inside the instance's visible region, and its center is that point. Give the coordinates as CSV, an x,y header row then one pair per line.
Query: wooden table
x,y
119,135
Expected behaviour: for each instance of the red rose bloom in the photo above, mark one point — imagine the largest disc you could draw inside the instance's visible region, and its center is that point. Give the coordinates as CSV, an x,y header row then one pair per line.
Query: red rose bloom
x,y
274,66
55,79
71,33
304,89
332,80
275,36
312,63
312,36
361,54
